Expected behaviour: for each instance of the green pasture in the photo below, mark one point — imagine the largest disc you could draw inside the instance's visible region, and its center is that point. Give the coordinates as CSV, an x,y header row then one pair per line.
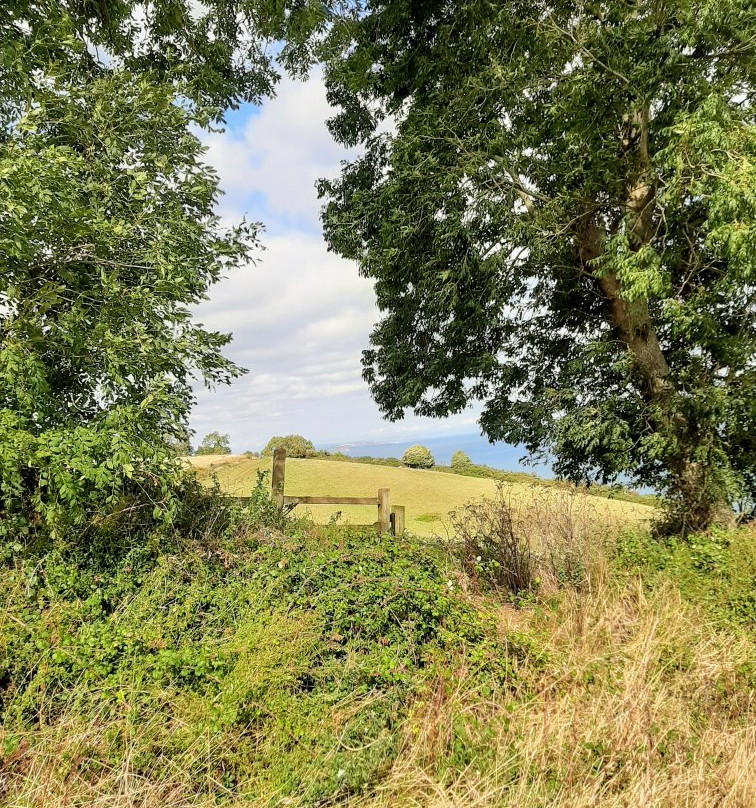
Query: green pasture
x,y
428,496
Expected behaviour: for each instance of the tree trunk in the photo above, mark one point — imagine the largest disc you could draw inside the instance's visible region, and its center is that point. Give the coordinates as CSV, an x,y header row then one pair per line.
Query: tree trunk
x,y
633,325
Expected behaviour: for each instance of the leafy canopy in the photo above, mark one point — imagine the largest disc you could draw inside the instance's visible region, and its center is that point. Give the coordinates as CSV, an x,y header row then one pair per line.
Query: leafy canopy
x,y
556,202
418,457
108,235
216,53
295,446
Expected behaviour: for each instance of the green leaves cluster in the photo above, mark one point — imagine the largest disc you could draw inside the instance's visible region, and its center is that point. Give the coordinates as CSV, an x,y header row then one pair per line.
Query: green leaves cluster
x,y
108,237
295,446
301,655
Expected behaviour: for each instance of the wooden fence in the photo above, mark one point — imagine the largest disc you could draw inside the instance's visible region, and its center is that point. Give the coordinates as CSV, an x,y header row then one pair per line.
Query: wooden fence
x,y
390,519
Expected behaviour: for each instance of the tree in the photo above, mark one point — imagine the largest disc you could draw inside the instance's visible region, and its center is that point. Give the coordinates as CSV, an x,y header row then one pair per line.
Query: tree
x,y
459,460
108,236
295,445
560,223
418,457
215,53
214,443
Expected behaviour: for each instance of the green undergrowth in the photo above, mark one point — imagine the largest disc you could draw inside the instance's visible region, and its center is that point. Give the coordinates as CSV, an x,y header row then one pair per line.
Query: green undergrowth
x,y
717,572
263,663
252,659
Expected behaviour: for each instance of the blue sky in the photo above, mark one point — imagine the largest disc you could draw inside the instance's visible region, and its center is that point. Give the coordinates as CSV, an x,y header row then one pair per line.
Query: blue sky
x,y
300,316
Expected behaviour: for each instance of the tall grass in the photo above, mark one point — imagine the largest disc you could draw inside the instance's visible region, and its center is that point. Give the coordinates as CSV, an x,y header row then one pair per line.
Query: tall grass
x,y
632,701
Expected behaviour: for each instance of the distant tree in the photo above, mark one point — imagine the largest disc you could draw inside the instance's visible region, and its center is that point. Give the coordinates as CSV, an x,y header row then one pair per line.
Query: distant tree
x,y
418,457
214,443
180,443
460,460
295,445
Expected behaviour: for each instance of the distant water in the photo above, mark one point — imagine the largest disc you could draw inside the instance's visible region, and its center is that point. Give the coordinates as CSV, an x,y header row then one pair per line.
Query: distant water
x,y
497,455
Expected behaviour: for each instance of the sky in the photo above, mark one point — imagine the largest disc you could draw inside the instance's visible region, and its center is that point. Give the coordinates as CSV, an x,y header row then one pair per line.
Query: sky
x,y
300,316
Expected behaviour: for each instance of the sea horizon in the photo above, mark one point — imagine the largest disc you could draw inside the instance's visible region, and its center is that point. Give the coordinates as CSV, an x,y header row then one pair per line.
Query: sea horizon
x,y
478,448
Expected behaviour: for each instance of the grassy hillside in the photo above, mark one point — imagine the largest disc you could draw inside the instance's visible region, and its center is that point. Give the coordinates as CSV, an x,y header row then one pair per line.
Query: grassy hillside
x,y
245,662
428,496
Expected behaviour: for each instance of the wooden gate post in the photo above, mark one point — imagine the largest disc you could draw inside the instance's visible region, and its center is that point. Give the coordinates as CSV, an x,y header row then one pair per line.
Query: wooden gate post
x,y
397,519
384,510
279,474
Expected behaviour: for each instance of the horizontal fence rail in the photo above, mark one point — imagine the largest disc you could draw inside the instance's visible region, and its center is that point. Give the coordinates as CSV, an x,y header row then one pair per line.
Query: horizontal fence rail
x,y
330,500
390,520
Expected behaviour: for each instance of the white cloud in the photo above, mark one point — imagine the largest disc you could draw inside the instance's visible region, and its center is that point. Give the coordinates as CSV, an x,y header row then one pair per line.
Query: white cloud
x,y
302,316
280,151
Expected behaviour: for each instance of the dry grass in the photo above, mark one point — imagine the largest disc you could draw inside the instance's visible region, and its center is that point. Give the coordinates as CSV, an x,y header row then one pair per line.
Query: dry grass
x,y
545,541
427,495
212,461
641,704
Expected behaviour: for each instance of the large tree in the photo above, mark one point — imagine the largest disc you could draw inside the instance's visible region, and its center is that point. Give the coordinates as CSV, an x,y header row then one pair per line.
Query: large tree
x,y
556,202
108,235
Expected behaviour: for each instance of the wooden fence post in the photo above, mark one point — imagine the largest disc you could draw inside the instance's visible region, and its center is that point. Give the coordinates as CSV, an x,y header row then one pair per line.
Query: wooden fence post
x,y
279,474
384,509
397,519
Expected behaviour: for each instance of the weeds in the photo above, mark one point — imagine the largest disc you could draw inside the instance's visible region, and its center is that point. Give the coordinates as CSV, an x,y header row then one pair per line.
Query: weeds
x,y
543,542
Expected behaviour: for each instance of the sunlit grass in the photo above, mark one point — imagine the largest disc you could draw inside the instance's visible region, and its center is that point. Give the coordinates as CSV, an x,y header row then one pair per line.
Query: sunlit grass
x,y
428,496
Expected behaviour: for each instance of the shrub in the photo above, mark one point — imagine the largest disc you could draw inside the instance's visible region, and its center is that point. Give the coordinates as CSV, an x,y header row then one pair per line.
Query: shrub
x,y
418,457
494,553
297,654
460,460
715,571
68,477
520,544
295,445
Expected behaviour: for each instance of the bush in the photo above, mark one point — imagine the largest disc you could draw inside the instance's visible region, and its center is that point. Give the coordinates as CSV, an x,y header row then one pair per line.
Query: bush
x,y
295,445
460,460
418,457
519,544
66,478
298,654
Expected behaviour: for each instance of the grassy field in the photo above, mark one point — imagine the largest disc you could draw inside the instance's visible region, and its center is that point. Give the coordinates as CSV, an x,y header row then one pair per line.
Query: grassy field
x,y
428,496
